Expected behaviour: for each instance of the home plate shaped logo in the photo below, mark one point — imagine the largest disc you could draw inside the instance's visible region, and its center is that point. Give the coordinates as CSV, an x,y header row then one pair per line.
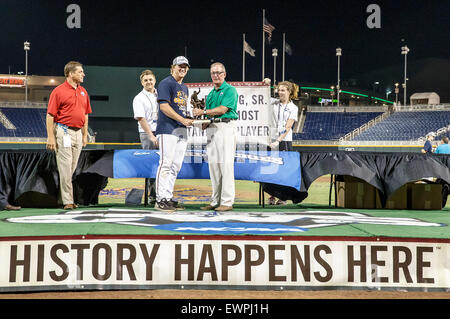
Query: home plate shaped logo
x,y
228,223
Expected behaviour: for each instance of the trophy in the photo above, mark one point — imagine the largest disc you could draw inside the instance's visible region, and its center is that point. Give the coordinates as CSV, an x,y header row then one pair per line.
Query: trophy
x,y
198,104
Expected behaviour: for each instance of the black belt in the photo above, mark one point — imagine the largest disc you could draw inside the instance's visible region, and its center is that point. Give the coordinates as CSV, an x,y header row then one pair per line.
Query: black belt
x,y
68,127
223,120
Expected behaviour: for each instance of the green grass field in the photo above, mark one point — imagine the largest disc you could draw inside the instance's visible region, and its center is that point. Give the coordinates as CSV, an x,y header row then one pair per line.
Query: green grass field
x,y
195,191
186,190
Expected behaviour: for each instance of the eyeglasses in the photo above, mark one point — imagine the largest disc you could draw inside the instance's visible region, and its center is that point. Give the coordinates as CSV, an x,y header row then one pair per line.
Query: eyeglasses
x,y
217,73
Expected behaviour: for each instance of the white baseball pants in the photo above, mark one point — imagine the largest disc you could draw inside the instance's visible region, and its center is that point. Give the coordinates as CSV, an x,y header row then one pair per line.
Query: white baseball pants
x,y
171,155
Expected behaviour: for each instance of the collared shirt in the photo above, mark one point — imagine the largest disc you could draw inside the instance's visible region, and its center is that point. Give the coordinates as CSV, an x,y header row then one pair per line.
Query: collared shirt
x,y
68,105
443,149
145,105
225,95
281,114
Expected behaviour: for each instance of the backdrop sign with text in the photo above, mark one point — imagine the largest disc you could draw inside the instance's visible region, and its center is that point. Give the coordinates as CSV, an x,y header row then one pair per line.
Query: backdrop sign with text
x,y
128,263
253,125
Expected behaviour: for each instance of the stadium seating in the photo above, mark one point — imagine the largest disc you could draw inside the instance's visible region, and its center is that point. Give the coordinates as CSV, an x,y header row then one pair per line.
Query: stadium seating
x,y
406,126
332,125
399,126
29,122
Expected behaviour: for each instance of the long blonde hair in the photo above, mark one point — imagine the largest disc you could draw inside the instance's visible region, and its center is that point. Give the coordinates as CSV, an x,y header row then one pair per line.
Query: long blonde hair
x,y
292,88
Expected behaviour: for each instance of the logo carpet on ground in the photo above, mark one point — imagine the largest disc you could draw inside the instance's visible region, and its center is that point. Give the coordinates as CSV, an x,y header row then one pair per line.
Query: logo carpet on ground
x,y
231,223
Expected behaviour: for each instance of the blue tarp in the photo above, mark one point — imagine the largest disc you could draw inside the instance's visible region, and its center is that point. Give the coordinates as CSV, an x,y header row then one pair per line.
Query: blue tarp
x,y
282,168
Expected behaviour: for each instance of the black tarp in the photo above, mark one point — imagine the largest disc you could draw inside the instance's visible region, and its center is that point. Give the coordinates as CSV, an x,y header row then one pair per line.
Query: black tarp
x,y
30,179
385,171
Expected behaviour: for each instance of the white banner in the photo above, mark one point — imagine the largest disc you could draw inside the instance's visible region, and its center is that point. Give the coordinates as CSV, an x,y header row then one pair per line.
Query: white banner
x,y
253,125
276,263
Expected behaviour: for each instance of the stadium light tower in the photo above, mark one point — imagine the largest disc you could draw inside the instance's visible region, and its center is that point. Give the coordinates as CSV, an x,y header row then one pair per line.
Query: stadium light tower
x,y
396,93
26,47
338,86
405,51
274,54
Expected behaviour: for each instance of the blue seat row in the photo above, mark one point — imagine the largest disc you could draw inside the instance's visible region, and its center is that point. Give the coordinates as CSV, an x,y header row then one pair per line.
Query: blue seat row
x,y
29,122
406,126
331,125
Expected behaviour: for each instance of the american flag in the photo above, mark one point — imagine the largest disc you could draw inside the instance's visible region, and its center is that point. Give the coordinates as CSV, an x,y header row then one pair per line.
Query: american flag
x,y
268,28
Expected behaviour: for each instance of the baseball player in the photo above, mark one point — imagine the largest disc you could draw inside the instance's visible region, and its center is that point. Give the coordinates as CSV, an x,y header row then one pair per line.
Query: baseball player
x,y
171,132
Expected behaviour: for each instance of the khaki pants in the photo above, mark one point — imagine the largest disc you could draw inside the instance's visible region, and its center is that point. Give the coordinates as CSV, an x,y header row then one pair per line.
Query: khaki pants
x,y
221,150
67,160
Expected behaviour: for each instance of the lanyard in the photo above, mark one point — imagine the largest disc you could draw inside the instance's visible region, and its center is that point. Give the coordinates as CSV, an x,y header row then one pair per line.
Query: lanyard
x,y
282,120
153,110
63,126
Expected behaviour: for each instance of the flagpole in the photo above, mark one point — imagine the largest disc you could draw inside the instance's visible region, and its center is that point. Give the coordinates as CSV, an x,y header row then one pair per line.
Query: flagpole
x,y
284,52
243,57
263,40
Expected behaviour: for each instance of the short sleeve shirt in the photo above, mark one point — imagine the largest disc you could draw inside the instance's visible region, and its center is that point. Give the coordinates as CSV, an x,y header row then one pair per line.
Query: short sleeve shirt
x,y
225,95
68,105
443,149
145,105
176,95
281,114
428,147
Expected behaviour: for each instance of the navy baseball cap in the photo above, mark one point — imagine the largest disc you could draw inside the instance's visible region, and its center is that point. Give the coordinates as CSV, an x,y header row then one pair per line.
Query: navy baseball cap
x,y
180,60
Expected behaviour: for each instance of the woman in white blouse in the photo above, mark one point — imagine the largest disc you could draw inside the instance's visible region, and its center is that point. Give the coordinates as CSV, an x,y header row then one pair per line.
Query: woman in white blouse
x,y
285,114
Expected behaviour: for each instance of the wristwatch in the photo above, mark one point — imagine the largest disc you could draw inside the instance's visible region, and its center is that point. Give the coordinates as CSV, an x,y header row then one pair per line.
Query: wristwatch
x,y
204,112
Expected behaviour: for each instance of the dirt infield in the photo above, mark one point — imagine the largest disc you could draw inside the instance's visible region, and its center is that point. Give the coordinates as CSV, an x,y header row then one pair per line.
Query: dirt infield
x,y
230,294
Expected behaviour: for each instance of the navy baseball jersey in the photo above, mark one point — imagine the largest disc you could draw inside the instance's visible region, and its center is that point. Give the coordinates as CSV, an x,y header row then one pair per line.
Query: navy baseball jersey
x,y
176,95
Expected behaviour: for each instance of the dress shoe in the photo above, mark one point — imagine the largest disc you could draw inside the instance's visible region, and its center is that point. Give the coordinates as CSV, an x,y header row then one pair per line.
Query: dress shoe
x,y
272,200
208,207
12,207
70,206
176,204
222,208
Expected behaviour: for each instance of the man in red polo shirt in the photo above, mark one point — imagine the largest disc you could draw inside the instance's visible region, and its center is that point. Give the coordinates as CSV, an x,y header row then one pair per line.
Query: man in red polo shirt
x,y
67,127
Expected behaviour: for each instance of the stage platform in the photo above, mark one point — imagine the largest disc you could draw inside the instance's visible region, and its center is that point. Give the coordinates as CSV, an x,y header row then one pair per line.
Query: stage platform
x,y
101,247
106,247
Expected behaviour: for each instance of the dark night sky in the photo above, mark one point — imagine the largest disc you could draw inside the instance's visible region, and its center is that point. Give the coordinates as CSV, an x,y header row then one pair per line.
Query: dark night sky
x,y
151,33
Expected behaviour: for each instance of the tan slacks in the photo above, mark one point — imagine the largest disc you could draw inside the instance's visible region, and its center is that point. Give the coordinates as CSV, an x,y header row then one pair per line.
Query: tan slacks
x,y
221,150
67,160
